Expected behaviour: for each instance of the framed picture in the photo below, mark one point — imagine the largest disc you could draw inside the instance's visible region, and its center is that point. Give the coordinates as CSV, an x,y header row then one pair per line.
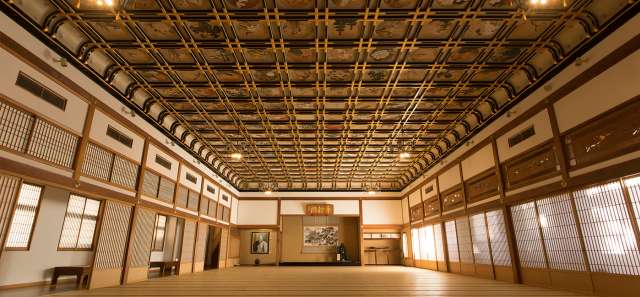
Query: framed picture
x,y
320,236
259,242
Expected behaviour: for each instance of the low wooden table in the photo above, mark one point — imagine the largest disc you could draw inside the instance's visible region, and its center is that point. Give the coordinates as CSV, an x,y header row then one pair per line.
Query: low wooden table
x,y
163,265
81,273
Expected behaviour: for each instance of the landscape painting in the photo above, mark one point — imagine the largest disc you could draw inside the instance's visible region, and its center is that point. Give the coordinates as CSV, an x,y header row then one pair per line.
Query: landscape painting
x,y
320,236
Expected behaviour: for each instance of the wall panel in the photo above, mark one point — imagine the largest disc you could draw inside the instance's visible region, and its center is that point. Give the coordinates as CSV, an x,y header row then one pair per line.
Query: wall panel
x,y
381,212
200,246
188,242
141,239
9,187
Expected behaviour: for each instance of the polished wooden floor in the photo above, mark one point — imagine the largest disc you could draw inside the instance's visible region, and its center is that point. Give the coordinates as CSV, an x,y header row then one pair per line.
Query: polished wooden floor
x,y
321,281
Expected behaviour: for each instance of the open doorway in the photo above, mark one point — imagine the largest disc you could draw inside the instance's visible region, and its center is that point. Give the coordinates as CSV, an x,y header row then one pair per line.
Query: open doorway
x,y
212,251
166,246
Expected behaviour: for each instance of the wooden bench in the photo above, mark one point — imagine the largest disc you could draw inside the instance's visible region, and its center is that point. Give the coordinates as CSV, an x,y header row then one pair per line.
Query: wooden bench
x,y
81,273
164,265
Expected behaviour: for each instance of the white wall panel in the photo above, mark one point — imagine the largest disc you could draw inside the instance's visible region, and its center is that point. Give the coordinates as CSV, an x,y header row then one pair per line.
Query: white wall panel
x,y
257,212
542,127
185,182
478,162
99,134
221,198
415,198
340,207
449,178
234,211
152,152
381,212
607,90
208,183
72,117
405,211
423,190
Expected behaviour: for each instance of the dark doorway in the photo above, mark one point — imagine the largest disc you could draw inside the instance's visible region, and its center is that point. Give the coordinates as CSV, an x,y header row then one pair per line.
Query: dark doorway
x,y
212,254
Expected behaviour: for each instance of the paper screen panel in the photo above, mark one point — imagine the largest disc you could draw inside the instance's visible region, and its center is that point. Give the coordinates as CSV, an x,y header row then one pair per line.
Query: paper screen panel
x,y
527,232
498,238
452,241
465,246
479,237
143,230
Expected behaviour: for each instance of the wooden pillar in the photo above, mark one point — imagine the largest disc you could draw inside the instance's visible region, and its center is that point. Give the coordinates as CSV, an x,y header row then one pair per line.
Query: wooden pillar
x,y
361,235
84,141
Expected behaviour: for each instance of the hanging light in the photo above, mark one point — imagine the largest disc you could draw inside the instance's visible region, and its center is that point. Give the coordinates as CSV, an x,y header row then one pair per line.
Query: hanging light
x,y
236,156
269,188
404,148
372,188
237,150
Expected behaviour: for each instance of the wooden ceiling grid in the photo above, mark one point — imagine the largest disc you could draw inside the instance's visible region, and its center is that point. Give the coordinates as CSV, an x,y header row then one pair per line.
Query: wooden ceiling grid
x,y
324,91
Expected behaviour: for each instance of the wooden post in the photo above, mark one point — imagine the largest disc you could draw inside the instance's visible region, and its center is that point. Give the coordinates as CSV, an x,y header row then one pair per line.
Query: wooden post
x,y
361,234
84,141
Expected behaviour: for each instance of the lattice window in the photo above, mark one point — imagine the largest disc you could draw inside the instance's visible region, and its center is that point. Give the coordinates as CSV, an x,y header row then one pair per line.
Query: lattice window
x,y
188,240
415,243
167,189
405,245
220,212
125,172
143,239
437,234
606,226
182,196
212,208
560,233
427,243
80,223
464,240
481,252
114,232
452,241
150,184
97,162
633,188
192,203
498,238
527,232
51,143
24,217
204,205
226,215
15,127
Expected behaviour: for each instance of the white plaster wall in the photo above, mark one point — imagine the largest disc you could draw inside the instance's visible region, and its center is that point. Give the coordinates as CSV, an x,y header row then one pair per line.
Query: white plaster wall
x,y
381,212
152,151
72,117
405,211
607,90
35,265
433,183
340,207
183,179
415,198
542,126
99,134
258,212
478,162
234,211
449,178
214,197
221,200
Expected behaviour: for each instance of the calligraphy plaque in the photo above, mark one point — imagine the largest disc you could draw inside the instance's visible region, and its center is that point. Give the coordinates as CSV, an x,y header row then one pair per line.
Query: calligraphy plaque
x,y
318,209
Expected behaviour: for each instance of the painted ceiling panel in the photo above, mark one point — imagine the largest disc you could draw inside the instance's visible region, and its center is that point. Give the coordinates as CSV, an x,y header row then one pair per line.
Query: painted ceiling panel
x,y
319,94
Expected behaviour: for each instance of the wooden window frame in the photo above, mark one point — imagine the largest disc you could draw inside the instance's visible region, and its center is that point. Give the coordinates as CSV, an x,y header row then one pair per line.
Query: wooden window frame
x,y
95,233
35,219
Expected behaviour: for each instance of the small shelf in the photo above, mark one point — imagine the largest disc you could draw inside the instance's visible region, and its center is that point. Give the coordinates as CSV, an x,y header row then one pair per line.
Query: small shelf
x,y
381,235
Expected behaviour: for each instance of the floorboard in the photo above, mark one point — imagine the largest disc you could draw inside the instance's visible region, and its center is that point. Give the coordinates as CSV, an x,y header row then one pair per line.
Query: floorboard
x,y
321,281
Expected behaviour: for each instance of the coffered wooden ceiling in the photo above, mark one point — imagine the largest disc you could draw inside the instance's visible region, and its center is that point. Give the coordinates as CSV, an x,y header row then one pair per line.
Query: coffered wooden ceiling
x,y
321,93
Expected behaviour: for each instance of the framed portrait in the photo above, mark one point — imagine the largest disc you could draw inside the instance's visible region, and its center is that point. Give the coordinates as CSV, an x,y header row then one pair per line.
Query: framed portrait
x,y
259,242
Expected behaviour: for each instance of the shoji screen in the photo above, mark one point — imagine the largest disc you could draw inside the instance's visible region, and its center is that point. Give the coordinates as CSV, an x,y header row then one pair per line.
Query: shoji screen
x,y
528,239
224,237
560,233
141,239
633,188
188,242
481,253
201,244
609,237
415,243
499,245
9,187
452,246
437,234
465,246
112,244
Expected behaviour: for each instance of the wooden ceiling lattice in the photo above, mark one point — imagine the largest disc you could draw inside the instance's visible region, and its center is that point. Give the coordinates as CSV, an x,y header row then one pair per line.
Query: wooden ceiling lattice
x,y
323,91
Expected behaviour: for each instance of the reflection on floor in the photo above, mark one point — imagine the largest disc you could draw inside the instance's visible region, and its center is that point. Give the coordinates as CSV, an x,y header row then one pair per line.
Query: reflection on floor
x,y
321,281
38,290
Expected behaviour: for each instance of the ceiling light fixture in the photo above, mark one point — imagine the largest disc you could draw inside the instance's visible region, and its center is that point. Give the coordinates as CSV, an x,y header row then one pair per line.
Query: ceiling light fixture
x,y
237,150
404,148
372,188
268,188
